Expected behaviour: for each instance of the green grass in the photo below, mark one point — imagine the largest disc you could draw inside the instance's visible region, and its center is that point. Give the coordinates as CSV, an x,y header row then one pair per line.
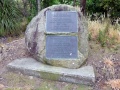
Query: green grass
x,y
23,82
104,33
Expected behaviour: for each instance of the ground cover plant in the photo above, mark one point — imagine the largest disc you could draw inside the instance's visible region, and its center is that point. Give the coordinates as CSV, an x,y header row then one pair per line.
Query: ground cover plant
x,y
104,33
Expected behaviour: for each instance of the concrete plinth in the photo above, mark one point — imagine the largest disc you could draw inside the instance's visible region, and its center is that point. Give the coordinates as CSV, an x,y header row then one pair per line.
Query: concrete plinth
x,y
84,75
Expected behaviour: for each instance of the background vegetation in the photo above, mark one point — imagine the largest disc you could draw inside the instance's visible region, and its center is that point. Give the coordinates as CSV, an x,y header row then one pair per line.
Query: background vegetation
x,y
103,17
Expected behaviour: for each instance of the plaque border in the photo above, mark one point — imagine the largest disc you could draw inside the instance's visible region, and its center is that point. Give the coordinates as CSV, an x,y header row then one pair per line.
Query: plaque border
x,y
61,57
60,11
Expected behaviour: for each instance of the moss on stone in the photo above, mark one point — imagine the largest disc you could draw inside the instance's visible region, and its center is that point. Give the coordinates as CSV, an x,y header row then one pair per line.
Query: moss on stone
x,y
50,76
47,85
84,87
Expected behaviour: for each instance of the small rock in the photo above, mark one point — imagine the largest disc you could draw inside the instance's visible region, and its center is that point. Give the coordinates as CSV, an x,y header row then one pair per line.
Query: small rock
x,y
1,78
31,77
1,58
1,86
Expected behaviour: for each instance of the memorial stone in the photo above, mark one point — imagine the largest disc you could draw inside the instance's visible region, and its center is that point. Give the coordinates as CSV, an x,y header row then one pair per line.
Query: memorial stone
x,y
58,36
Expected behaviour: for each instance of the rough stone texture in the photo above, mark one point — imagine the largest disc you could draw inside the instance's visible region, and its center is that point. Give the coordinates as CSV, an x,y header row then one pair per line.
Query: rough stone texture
x,y
29,66
35,36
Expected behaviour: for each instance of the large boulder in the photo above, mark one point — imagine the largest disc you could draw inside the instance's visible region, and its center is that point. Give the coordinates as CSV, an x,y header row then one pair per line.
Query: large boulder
x,y
35,38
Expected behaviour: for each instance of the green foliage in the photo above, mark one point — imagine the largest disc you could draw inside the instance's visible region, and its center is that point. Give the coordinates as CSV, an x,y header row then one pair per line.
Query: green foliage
x,y
113,7
69,2
90,36
32,9
9,17
102,38
32,5
103,35
46,3
93,6
107,7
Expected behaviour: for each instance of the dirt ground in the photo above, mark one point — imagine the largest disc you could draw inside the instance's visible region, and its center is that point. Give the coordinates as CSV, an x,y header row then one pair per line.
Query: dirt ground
x,y
106,63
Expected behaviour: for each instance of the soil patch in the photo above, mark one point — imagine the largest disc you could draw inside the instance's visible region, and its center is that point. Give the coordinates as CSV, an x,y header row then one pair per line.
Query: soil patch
x,y
106,63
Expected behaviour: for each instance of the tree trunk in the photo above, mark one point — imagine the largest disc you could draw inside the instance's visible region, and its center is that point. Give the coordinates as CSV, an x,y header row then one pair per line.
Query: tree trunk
x,y
25,8
106,14
38,5
74,2
82,6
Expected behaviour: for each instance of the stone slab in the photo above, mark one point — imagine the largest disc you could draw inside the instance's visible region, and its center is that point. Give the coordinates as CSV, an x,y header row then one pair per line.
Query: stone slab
x,y
61,47
61,21
84,75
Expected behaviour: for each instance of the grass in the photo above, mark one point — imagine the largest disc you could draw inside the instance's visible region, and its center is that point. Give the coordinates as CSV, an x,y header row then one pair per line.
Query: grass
x,y
104,33
23,82
109,68
15,32
114,84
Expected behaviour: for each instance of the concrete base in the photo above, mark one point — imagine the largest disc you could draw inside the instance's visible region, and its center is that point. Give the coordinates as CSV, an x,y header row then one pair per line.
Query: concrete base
x,y
29,66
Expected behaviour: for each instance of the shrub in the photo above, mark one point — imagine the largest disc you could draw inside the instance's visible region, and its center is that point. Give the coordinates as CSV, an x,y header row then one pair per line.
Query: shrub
x,y
102,38
10,18
104,33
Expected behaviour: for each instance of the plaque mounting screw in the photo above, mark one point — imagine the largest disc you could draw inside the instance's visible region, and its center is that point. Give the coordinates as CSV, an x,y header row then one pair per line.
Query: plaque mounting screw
x,y
70,54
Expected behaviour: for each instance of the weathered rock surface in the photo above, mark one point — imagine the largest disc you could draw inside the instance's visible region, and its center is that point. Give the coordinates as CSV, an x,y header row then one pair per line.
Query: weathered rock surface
x,y
35,38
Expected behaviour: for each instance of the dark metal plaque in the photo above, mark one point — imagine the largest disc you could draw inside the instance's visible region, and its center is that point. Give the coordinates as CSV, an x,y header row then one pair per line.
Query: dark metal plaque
x,y
61,21
61,46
